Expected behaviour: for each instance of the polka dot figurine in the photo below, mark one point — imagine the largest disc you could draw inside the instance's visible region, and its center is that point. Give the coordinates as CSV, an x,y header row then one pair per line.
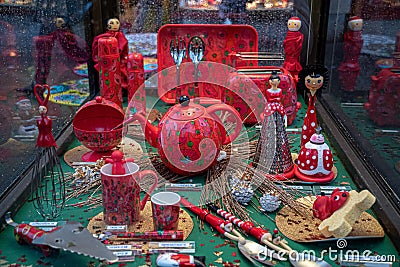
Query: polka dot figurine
x,y
315,161
313,77
273,154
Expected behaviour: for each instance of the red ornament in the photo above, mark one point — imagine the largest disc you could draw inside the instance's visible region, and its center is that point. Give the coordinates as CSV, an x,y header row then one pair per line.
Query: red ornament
x,y
123,50
324,206
313,78
273,130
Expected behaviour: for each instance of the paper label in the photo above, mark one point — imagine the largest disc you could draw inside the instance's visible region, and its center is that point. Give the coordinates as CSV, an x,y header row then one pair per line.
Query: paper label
x,y
119,247
43,224
123,253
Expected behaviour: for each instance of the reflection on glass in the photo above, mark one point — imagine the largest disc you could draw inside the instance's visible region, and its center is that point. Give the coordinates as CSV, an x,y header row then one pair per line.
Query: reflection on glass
x,y
362,54
40,42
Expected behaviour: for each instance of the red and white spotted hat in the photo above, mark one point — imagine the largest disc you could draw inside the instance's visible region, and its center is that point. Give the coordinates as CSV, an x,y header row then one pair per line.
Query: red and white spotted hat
x,y
353,21
294,24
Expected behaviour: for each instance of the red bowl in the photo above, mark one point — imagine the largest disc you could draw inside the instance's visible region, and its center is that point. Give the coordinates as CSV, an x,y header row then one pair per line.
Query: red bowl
x,y
93,124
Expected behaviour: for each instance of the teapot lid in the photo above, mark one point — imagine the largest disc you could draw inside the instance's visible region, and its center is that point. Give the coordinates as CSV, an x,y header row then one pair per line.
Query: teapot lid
x,y
186,110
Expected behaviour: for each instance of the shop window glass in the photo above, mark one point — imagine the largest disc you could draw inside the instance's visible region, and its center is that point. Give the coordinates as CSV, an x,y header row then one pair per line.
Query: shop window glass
x,y
41,42
362,53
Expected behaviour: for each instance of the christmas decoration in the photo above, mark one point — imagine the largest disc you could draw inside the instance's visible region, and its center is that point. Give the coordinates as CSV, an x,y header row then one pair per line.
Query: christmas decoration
x,y
273,142
314,78
349,69
49,197
315,161
113,30
270,202
292,45
242,192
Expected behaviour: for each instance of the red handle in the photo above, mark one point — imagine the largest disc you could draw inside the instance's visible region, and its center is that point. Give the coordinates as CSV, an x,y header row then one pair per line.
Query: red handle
x,y
223,107
27,233
38,97
146,197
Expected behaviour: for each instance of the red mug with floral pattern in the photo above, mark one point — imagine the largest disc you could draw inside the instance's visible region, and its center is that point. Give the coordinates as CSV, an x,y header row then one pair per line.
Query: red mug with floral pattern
x,y
165,210
121,194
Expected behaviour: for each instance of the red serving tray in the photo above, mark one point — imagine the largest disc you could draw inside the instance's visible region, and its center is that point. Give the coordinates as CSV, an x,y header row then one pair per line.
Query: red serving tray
x,y
220,41
246,86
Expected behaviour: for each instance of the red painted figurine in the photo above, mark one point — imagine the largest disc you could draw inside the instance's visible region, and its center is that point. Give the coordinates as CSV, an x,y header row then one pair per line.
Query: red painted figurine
x,y
113,30
315,161
273,130
292,45
349,69
313,78
49,198
324,206
118,162
44,123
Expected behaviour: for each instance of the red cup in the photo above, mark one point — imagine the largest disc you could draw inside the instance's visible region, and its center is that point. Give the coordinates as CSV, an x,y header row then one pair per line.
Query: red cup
x,y
121,194
165,210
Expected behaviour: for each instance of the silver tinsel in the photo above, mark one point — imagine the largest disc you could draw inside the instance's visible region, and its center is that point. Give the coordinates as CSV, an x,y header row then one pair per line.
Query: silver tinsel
x,y
86,175
269,202
242,191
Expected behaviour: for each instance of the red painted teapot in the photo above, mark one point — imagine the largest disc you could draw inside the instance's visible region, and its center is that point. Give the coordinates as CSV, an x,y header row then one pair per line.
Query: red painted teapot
x,y
189,136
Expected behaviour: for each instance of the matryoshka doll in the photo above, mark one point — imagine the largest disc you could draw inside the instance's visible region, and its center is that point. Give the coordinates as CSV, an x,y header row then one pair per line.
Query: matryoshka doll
x,y
315,161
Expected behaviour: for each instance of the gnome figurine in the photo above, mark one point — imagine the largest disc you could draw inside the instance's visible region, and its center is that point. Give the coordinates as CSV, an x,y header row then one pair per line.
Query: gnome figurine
x,y
349,68
315,161
292,45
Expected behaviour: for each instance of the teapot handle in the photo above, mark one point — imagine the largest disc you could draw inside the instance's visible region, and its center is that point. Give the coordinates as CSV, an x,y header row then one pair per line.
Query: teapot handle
x,y
224,107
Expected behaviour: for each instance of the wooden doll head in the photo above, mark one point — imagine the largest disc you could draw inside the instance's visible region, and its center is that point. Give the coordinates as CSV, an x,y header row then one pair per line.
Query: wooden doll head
x,y
274,79
314,81
113,24
294,24
355,23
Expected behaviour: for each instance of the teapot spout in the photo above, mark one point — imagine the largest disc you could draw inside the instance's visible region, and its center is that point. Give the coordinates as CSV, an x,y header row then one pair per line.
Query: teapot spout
x,y
151,132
